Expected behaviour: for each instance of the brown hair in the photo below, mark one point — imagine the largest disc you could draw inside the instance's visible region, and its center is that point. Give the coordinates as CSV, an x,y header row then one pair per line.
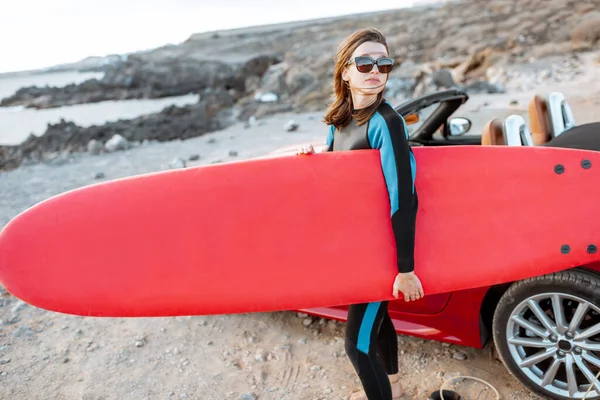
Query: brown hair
x,y
340,112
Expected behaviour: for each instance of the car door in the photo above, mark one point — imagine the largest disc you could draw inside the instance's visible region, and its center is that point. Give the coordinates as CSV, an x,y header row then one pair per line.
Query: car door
x,y
431,304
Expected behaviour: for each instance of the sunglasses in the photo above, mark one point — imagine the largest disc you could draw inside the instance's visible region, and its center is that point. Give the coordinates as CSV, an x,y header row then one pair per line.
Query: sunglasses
x,y
366,63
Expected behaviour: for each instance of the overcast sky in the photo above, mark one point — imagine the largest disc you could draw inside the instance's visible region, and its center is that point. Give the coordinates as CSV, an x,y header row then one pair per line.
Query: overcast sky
x,y
40,33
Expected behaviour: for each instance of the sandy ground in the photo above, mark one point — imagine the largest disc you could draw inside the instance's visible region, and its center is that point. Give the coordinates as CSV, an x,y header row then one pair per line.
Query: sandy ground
x,y
46,355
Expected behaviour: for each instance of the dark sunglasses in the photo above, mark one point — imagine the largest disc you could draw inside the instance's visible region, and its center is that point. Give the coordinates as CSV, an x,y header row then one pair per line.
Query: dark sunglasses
x,y
365,64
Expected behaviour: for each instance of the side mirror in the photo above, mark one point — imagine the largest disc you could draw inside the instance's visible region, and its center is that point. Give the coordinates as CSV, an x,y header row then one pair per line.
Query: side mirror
x,y
459,126
411,119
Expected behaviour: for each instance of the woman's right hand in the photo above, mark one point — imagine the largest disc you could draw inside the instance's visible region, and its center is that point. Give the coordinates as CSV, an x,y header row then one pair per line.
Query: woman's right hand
x,y
409,285
306,149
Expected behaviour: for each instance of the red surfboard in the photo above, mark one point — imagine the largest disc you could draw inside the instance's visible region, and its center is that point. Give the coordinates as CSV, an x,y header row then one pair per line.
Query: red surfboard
x,y
291,232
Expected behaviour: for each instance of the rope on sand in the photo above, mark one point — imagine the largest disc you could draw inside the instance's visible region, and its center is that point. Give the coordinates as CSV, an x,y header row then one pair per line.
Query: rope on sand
x,y
591,386
585,396
467,377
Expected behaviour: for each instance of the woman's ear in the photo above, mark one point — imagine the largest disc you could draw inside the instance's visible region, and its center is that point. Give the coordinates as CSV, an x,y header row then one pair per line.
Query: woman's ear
x,y
345,76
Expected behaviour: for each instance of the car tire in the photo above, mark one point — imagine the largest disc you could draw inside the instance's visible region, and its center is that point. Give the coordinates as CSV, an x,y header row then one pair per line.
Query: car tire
x,y
566,358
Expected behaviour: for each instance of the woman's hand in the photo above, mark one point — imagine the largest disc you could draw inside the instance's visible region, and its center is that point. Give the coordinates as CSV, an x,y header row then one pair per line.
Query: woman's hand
x,y
409,284
306,149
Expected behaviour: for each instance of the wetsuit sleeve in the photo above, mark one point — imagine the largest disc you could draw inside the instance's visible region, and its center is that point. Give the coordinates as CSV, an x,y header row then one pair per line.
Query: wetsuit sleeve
x,y
329,140
387,132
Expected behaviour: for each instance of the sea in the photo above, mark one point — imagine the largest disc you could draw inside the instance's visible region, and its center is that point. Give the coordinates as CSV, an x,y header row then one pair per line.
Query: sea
x,y
17,123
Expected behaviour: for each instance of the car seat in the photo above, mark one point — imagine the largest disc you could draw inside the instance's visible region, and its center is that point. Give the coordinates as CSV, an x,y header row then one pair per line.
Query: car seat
x,y
539,120
516,132
560,115
493,133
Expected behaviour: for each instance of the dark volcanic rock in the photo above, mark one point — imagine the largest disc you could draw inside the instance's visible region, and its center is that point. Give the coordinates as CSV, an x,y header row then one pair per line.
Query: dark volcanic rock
x,y
140,77
171,123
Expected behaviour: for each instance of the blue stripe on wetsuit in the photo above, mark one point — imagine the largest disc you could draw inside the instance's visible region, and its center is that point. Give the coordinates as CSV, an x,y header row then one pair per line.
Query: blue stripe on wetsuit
x,y
330,136
380,138
399,170
366,327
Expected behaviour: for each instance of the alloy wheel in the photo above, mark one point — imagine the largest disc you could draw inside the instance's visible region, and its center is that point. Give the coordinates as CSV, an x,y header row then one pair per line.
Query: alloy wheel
x,y
554,339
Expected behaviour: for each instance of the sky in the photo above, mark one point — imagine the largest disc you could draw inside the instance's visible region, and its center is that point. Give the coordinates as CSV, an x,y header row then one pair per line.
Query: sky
x,y
40,33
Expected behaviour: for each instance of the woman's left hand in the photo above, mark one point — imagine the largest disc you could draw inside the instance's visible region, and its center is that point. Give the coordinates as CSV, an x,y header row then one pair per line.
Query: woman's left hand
x,y
409,284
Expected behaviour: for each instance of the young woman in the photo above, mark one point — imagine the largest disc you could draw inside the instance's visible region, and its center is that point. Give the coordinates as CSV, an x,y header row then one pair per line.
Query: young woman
x,y
359,118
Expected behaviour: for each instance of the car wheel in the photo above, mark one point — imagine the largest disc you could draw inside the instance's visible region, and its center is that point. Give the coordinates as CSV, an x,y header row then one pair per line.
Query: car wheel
x,y
547,333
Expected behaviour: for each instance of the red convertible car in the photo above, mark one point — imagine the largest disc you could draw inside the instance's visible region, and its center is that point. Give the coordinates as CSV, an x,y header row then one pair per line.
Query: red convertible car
x,y
546,329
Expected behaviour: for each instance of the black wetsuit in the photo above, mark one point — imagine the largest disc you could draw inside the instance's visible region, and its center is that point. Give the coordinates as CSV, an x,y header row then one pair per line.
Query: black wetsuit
x,y
371,341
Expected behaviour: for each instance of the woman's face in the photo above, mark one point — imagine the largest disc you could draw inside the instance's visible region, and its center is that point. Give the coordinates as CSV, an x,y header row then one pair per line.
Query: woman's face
x,y
371,82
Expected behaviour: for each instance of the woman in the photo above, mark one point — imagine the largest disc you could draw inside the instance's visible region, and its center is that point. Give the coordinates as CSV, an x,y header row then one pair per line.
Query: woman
x,y
359,118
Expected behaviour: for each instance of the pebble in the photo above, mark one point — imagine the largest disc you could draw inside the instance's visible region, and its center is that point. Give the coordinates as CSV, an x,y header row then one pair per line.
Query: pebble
x,y
19,306
315,368
194,157
259,356
233,153
99,175
94,147
117,142
4,361
24,331
177,163
247,396
139,343
291,126
459,356
307,321
302,340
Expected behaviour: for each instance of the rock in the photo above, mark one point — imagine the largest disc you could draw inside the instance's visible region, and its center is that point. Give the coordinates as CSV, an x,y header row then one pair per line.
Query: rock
x,y
307,321
481,86
233,153
12,320
94,147
117,142
291,126
194,157
247,396
259,356
177,163
459,356
443,79
19,306
99,175
24,331
139,343
171,123
273,82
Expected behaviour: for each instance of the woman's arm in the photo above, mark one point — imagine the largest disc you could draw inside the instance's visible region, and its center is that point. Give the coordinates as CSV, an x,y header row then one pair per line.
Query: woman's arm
x,y
388,133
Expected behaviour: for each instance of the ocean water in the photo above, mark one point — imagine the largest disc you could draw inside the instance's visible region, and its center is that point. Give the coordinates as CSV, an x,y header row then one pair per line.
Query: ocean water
x,y
16,123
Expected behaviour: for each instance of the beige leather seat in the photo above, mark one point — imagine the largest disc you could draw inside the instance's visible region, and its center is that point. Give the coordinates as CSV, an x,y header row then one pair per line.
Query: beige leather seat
x,y
493,134
539,120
